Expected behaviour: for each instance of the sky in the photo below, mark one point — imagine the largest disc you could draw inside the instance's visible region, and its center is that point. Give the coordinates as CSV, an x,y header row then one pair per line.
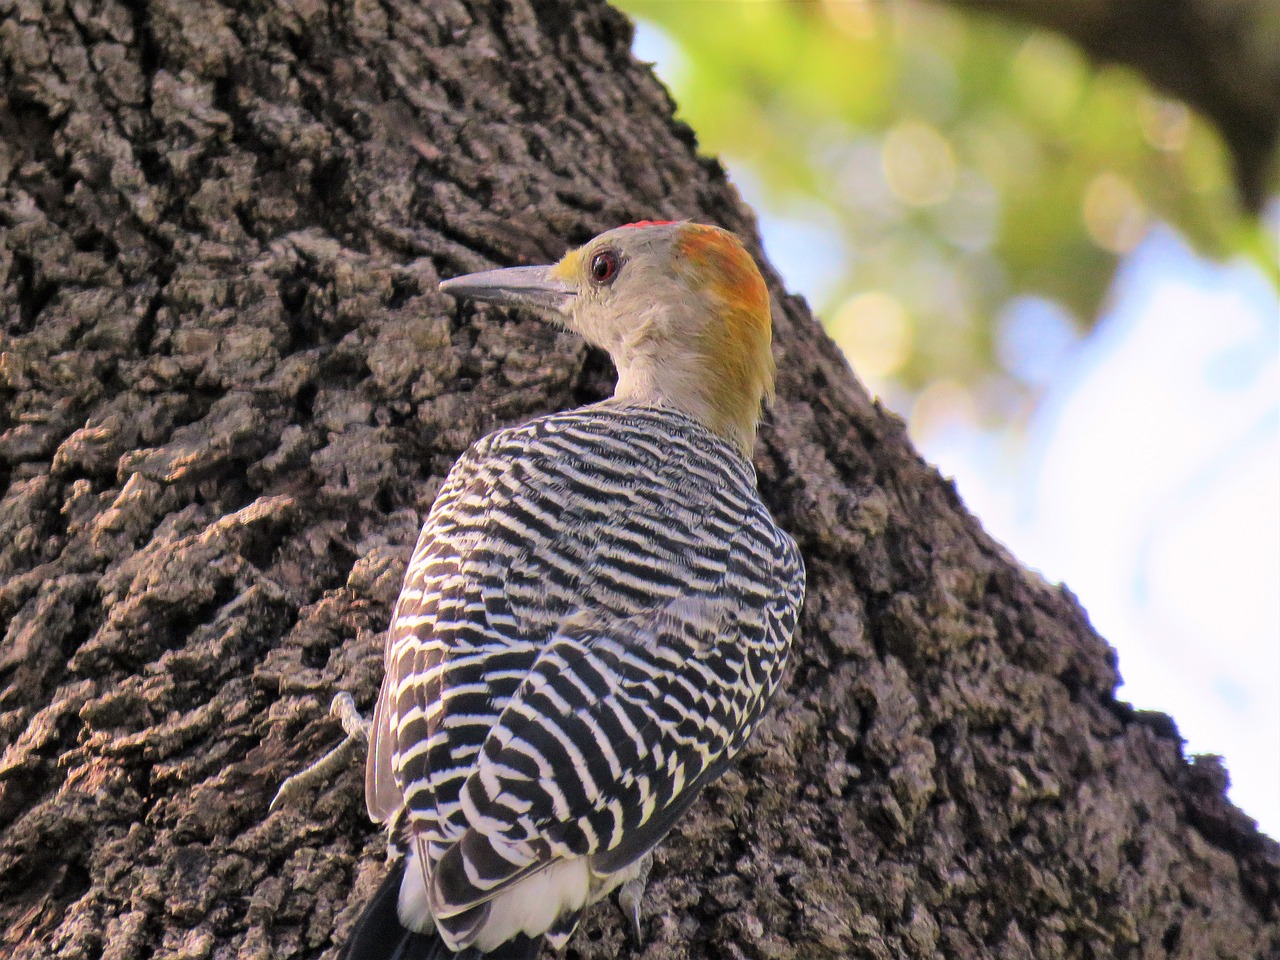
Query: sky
x,y
1147,478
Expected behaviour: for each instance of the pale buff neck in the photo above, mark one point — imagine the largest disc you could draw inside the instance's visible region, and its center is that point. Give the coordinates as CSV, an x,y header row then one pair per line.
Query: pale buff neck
x,y
683,383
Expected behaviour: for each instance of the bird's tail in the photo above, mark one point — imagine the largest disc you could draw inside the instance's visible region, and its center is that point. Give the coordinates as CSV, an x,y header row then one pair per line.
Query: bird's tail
x,y
379,934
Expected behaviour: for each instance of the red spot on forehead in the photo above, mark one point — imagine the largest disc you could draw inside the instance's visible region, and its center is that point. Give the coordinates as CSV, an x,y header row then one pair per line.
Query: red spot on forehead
x,y
648,223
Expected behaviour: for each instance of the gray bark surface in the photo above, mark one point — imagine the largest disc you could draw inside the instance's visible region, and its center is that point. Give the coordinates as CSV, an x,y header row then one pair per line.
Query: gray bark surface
x,y
1220,56
229,391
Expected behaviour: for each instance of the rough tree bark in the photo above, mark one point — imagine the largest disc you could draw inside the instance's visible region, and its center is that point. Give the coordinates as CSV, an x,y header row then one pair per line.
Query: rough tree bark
x,y
1220,56
228,393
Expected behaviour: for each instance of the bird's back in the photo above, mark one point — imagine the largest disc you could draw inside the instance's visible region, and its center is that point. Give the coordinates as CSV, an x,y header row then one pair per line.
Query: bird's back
x,y
634,533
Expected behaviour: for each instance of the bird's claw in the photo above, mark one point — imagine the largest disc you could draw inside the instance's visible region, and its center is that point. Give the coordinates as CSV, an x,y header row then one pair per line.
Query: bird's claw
x,y
630,895
343,707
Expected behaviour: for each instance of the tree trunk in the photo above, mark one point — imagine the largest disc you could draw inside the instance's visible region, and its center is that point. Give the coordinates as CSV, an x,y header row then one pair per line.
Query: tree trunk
x,y
228,393
1220,56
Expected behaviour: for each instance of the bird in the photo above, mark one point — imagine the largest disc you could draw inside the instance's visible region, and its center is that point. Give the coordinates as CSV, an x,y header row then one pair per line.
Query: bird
x,y
597,612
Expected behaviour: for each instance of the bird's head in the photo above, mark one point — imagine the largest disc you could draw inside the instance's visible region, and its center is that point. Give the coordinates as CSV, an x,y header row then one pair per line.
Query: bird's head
x,y
681,309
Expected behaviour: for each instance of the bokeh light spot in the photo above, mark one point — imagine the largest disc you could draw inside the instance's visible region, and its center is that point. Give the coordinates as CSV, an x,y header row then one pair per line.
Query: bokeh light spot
x,y
1114,215
854,18
971,218
919,164
1165,123
1050,74
875,333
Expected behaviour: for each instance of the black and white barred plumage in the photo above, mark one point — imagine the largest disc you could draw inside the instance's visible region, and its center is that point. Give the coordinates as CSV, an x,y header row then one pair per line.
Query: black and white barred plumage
x,y
595,616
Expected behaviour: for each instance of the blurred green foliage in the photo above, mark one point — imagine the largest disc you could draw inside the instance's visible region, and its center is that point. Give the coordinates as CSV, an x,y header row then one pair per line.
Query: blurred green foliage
x,y
961,162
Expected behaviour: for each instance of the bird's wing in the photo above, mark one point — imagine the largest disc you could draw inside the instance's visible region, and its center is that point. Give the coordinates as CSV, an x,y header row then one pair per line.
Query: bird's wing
x,y
412,623
382,794
614,732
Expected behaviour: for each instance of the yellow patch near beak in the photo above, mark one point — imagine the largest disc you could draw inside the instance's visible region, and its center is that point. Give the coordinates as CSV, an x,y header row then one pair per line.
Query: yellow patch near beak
x,y
569,269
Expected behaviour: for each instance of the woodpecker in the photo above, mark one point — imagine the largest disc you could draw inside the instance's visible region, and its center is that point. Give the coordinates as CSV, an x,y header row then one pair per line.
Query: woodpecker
x,y
596,614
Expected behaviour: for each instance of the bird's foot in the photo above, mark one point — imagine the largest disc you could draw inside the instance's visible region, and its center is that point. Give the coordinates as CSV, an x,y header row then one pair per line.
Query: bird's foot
x,y
632,892
344,709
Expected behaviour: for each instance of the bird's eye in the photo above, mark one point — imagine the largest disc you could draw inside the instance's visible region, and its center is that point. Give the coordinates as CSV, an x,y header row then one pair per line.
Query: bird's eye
x,y
604,267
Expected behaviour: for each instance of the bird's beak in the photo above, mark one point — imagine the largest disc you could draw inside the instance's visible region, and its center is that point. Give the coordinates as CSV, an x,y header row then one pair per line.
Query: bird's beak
x,y
514,287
